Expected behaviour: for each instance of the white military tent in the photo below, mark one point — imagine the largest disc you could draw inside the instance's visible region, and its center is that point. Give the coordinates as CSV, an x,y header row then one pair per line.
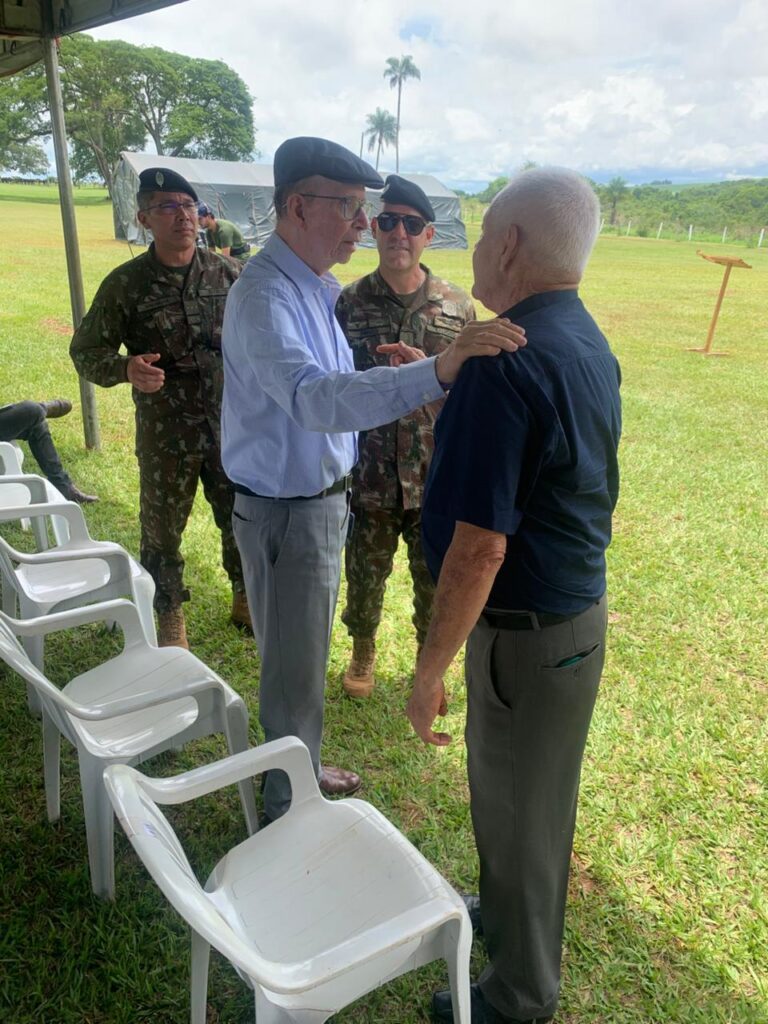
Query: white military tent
x,y
243,193
238,192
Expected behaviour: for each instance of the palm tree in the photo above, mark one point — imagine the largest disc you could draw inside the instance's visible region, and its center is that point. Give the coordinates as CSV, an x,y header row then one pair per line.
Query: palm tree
x,y
381,131
397,72
615,190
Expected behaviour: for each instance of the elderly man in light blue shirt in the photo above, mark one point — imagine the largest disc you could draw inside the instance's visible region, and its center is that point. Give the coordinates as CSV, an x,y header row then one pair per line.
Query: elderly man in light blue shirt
x,y
292,405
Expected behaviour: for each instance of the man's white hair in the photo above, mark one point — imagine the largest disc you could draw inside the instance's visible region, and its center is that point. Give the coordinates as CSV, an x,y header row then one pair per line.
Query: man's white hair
x,y
558,214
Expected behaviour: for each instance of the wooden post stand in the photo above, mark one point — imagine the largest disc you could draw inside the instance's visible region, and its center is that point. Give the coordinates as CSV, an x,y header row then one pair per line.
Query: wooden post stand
x,y
728,262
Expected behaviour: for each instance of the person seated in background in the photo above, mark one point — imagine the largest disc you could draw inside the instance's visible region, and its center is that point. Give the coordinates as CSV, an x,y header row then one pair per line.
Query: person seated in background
x,y
26,421
222,234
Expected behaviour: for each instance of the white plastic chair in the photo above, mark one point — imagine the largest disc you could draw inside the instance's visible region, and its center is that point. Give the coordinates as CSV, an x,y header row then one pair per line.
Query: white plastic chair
x,y
327,903
143,701
11,461
68,574
11,458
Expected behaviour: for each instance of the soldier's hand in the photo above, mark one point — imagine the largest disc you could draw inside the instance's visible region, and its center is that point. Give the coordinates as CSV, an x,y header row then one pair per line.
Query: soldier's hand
x,y
143,375
400,353
478,338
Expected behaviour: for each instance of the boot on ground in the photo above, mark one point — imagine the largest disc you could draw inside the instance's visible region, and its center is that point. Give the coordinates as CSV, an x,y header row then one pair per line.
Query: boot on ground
x,y
358,679
171,629
241,615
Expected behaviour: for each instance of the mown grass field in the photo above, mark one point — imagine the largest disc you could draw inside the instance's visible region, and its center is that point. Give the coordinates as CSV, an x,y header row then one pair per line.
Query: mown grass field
x,y
668,918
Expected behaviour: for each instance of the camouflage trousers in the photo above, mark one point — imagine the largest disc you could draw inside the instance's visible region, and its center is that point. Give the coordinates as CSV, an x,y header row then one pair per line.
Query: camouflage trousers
x,y
168,483
369,558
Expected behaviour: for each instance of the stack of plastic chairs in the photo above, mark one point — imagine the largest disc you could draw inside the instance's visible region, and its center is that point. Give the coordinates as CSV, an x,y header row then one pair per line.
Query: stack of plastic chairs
x,y
323,906
144,701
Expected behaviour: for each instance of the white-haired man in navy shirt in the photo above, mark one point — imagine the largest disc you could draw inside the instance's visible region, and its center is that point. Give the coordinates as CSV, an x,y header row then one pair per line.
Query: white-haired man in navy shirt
x,y
516,521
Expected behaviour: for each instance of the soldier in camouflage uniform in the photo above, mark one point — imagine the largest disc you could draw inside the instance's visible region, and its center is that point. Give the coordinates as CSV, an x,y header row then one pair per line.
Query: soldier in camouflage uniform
x,y
166,307
401,301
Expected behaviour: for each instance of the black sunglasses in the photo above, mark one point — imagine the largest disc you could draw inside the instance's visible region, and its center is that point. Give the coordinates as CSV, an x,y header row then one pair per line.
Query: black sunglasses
x,y
412,224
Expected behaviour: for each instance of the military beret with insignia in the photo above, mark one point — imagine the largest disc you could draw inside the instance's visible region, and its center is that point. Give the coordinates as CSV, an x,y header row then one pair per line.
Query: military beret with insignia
x,y
304,156
162,179
400,192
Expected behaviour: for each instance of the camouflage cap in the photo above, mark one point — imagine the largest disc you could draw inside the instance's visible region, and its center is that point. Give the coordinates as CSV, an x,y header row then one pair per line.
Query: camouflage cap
x,y
162,179
401,192
304,156
203,210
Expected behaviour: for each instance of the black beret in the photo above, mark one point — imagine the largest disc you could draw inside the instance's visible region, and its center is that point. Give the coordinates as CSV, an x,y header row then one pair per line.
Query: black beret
x,y
399,192
161,179
304,156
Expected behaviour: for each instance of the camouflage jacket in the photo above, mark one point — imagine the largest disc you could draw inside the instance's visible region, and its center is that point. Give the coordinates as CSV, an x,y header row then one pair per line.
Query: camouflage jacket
x,y
148,307
394,458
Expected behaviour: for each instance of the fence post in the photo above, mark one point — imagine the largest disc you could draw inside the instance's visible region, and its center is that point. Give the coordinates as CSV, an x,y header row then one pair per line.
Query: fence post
x,y
658,233
725,232
760,239
629,227
690,232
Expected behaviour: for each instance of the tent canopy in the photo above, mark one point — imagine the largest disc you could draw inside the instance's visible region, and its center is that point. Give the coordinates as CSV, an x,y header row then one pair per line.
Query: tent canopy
x,y
24,24
243,193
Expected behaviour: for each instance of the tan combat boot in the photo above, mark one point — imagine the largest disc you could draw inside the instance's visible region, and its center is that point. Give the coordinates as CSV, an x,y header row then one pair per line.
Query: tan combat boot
x,y
171,629
241,616
358,679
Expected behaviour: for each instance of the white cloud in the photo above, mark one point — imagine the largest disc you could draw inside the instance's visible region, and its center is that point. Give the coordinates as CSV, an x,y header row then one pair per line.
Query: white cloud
x,y
593,84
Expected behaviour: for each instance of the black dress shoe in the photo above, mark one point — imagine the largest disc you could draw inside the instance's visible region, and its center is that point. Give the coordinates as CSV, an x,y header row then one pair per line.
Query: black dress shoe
x,y
481,1011
472,903
57,407
73,493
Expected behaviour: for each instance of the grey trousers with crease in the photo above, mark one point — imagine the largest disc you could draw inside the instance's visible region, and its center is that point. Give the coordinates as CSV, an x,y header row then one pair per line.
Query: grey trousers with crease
x,y
291,555
528,717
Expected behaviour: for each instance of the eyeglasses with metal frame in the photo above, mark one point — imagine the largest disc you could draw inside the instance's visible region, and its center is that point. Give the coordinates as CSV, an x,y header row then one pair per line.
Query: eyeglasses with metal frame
x,y
350,206
413,225
170,209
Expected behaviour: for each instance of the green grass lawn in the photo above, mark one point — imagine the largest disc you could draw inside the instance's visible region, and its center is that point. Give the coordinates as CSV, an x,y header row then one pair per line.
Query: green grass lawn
x,y
668,918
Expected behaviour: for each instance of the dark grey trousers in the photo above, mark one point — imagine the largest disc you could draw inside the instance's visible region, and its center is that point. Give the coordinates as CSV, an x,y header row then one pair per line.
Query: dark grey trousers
x,y
527,725
26,421
291,556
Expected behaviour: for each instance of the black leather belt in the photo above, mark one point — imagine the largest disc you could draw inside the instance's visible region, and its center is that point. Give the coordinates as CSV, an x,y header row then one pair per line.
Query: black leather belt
x,y
336,488
497,618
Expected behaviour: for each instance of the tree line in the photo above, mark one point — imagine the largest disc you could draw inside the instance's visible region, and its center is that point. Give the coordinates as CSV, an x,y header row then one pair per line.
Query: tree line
x,y
118,96
741,206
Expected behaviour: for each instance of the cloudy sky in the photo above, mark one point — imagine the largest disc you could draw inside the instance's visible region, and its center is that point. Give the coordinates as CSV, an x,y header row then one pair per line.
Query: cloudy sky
x,y
643,88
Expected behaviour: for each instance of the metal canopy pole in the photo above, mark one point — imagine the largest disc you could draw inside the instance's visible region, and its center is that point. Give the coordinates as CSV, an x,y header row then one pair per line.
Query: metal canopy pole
x,y
66,199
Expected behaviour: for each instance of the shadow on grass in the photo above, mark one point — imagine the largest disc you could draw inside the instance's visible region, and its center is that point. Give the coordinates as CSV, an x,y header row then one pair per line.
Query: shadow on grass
x,y
69,957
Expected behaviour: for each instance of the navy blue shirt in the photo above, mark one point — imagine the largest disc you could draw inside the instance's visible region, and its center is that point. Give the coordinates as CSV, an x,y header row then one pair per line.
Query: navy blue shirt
x,y
526,445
